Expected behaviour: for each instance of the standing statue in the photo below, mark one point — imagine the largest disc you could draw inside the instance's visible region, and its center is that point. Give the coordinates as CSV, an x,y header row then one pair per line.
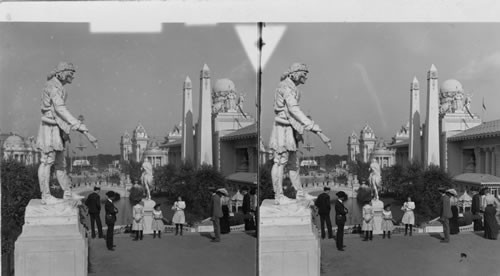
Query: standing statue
x,y
375,177
458,102
56,123
147,176
289,125
231,102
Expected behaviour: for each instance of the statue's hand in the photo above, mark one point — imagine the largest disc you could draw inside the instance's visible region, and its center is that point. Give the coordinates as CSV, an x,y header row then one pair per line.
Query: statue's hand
x,y
316,128
82,128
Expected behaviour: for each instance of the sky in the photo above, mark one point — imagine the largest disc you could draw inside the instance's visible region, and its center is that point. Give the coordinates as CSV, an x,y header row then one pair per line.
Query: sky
x,y
122,79
360,73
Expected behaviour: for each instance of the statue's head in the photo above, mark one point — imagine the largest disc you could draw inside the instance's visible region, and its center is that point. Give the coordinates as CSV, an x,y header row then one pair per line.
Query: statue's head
x,y
297,73
64,72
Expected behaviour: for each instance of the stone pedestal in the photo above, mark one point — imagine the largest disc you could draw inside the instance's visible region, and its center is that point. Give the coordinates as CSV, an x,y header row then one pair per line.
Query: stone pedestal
x,y
378,207
52,242
288,240
148,215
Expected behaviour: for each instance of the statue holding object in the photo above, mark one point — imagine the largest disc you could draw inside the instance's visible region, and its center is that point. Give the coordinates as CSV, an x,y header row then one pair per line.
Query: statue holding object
x,y
289,126
55,126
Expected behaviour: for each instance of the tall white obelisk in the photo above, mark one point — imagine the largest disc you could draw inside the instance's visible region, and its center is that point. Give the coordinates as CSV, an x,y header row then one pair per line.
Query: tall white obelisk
x,y
431,153
187,122
415,150
204,132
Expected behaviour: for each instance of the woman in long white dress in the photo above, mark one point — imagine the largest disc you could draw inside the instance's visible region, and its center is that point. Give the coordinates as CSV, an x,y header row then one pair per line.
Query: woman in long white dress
x,y
408,216
179,218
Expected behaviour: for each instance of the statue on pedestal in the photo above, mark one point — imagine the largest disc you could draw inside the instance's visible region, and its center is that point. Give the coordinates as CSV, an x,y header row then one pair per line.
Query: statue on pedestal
x,y
56,124
375,177
289,126
147,176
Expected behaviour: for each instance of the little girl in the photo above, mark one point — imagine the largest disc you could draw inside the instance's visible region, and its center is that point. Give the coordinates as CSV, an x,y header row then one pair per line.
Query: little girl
x,y
387,225
368,221
179,218
138,220
157,224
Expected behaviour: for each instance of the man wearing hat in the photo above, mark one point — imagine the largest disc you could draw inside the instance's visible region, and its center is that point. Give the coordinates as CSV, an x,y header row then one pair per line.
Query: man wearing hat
x,y
111,211
215,212
324,207
289,125
56,124
445,214
340,218
93,202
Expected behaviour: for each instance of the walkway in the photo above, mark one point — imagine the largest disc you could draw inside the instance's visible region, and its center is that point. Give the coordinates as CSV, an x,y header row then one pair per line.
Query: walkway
x,y
419,255
191,254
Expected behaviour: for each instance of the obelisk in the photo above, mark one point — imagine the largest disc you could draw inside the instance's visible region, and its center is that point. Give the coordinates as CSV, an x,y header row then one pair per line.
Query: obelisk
x,y
187,122
204,132
415,148
431,153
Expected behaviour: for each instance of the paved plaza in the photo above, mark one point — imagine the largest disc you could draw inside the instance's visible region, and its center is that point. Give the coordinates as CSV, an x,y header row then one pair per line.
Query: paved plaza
x,y
191,254
419,255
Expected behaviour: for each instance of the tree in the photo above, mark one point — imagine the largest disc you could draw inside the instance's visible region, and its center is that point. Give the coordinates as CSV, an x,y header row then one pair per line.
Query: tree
x,y
19,186
165,177
421,184
361,169
266,190
196,193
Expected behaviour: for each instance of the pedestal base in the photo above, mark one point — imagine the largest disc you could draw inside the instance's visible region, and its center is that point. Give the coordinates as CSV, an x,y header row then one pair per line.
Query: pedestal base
x,y
148,215
53,242
378,207
288,240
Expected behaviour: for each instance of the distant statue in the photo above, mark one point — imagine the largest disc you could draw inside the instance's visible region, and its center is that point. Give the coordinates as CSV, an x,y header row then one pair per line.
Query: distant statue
x,y
289,126
468,102
147,176
375,176
231,102
241,99
446,104
219,102
56,124
458,102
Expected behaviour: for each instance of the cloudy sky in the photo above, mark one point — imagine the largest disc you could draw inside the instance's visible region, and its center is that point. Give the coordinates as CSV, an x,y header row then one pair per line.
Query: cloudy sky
x,y
361,72
121,79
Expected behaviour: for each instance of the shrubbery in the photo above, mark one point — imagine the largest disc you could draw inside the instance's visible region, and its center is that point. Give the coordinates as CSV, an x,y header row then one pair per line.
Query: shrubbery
x,y
19,186
421,184
191,184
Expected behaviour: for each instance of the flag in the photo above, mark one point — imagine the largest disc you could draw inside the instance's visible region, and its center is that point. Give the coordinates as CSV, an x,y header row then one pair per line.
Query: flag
x,y
484,106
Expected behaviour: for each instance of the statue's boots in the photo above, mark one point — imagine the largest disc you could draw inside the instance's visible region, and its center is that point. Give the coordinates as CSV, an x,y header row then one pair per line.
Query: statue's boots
x,y
50,200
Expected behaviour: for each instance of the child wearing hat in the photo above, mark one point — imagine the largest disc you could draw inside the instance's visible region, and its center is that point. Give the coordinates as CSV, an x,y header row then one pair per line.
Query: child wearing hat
x,y
157,224
387,225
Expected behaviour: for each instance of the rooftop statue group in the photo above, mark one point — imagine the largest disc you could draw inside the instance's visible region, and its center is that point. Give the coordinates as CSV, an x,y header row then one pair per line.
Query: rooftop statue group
x,y
289,126
55,126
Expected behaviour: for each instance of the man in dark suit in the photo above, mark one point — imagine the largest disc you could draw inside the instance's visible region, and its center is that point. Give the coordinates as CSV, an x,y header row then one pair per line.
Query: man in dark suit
x,y
323,204
111,211
445,214
216,213
246,208
93,203
476,210
340,218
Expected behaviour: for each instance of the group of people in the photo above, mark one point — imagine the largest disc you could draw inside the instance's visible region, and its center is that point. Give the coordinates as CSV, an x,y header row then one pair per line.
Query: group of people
x,y
93,204
484,213
483,210
323,205
220,210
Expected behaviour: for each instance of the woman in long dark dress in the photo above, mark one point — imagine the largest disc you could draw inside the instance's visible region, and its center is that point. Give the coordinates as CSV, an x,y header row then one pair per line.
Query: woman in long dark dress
x,y
454,228
490,221
224,220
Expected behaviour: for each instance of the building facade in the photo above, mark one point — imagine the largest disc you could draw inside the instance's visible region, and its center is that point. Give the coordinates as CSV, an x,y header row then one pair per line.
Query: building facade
x,y
14,146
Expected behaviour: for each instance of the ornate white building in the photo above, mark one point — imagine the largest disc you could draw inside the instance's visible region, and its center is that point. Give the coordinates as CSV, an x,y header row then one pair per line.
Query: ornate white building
x,y
367,147
139,145
16,147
